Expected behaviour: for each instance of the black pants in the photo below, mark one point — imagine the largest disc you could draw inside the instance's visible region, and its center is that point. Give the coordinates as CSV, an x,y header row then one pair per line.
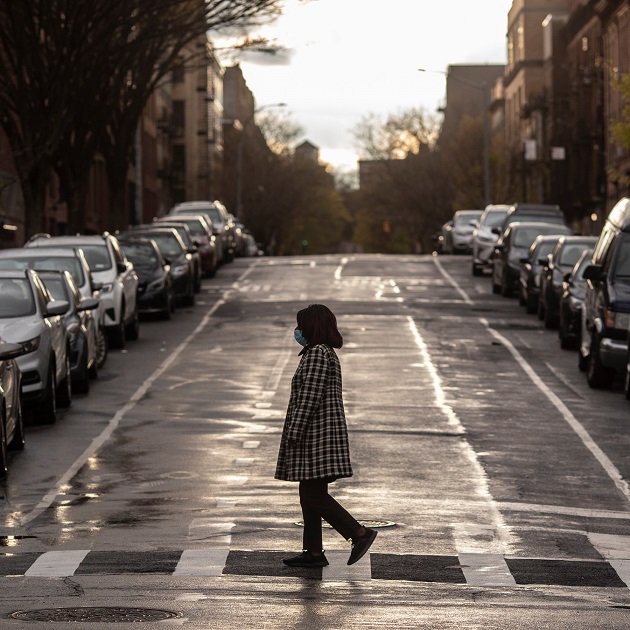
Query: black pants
x,y
317,504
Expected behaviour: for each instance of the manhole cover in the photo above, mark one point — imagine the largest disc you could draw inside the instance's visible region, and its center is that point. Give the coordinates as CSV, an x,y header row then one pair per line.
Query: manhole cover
x,y
107,614
371,524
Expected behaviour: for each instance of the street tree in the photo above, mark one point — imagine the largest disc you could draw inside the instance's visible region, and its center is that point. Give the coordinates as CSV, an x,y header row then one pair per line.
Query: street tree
x,y
76,75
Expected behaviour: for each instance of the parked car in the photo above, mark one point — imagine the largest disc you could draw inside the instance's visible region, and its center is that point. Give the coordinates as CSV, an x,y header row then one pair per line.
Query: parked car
x,y
203,238
571,301
186,236
459,230
606,309
116,275
30,317
11,419
74,261
175,254
512,247
531,213
484,239
156,293
557,265
221,225
529,276
80,327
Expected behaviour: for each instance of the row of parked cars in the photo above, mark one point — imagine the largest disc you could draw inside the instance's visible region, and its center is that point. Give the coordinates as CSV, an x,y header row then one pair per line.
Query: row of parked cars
x,y
65,300
579,285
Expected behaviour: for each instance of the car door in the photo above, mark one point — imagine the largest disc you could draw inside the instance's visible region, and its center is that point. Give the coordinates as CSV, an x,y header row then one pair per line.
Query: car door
x,y
128,278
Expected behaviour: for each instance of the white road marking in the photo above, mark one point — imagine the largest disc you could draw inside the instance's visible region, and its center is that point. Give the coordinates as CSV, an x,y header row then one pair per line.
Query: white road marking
x,y
226,502
251,444
344,262
606,463
339,571
561,509
57,563
452,281
498,537
202,562
486,569
244,461
616,550
112,425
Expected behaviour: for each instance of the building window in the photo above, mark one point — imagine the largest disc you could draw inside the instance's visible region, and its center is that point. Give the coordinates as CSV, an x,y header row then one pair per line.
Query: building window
x,y
179,118
178,71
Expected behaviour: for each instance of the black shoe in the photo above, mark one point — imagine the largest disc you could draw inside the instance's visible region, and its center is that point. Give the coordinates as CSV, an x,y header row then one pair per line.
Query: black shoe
x,y
361,544
306,559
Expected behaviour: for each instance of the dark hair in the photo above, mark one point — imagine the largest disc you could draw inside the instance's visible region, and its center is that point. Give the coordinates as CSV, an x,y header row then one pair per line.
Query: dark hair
x,y
319,325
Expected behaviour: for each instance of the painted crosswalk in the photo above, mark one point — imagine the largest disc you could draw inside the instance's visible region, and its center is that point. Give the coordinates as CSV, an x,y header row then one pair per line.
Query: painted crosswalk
x,y
482,570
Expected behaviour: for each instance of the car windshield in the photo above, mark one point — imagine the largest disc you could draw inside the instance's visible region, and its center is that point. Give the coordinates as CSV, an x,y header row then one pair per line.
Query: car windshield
x,y
98,257
622,266
169,244
183,234
143,256
57,288
493,219
570,254
50,263
525,237
544,249
16,298
466,217
195,227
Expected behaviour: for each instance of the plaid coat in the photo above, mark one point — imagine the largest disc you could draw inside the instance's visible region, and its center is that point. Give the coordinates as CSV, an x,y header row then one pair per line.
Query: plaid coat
x,y
315,421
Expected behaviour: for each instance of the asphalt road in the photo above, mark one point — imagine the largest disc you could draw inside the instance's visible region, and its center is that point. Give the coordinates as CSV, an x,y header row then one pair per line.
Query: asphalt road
x,y
497,478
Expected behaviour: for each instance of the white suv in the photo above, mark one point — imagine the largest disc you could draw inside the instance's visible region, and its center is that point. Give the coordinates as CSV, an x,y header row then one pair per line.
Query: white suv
x,y
111,268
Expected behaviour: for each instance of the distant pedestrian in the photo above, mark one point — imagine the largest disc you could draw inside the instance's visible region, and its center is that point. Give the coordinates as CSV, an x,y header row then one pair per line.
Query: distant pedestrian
x,y
314,447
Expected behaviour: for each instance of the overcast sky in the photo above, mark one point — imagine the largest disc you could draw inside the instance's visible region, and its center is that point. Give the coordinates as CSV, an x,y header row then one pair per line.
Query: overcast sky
x,y
349,58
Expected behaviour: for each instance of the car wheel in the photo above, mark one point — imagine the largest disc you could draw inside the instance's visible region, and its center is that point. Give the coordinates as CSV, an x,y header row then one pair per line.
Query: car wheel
x,y
506,289
549,319
476,270
81,383
132,331
46,411
197,280
64,389
541,308
101,347
531,304
597,375
522,298
582,361
189,300
17,443
626,384
4,451
117,336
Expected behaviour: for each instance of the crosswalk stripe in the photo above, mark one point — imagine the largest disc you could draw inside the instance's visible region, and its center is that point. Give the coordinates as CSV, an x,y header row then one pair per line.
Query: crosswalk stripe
x,y
202,562
616,549
486,569
339,571
57,563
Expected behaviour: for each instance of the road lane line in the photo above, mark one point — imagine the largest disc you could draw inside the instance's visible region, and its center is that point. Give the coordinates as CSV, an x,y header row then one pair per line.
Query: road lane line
x,y
57,563
616,550
486,569
566,511
339,571
452,281
251,444
606,463
202,562
338,271
497,536
112,425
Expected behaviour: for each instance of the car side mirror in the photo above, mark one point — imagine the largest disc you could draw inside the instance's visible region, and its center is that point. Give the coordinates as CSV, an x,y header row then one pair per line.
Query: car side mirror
x,y
121,267
88,304
499,247
57,307
11,351
523,260
496,230
543,262
593,273
97,286
566,277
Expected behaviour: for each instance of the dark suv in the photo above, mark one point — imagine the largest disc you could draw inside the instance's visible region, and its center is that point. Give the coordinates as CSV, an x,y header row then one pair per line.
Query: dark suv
x,y
604,347
530,213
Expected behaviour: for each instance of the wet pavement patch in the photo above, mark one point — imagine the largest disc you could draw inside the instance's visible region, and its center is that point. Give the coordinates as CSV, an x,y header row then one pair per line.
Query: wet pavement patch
x,y
564,573
17,563
109,562
387,566
10,541
267,563
104,614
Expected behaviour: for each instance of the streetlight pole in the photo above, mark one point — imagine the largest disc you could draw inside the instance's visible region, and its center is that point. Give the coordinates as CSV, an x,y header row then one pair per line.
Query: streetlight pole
x,y
239,154
486,127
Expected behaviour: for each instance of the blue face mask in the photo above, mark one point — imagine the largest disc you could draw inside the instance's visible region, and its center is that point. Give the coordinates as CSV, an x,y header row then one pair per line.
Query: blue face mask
x,y
298,337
